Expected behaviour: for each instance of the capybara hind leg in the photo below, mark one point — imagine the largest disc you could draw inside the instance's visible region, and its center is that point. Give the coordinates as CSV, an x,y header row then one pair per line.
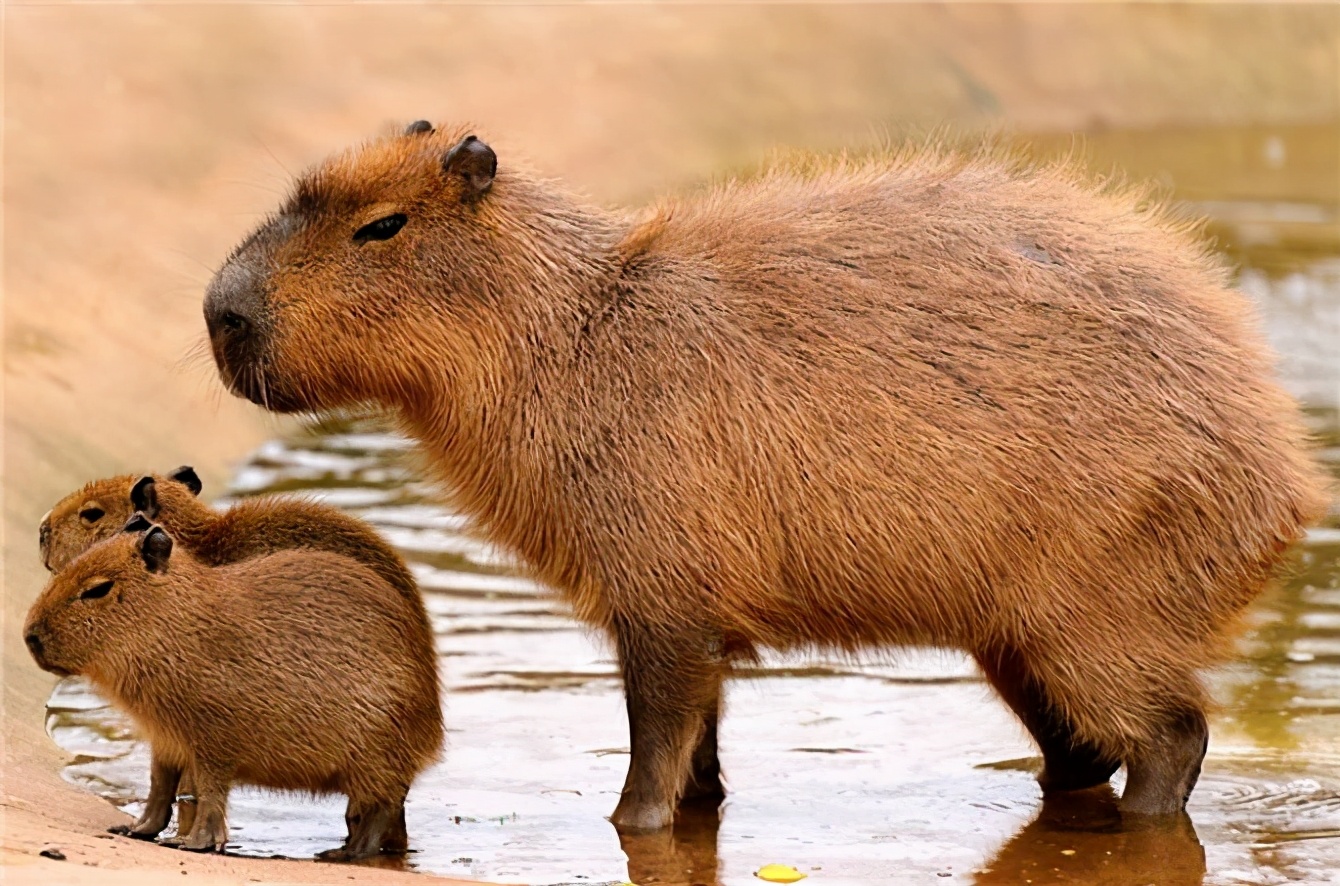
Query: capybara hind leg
x,y
163,778
1161,773
1069,764
370,824
209,832
704,787
670,683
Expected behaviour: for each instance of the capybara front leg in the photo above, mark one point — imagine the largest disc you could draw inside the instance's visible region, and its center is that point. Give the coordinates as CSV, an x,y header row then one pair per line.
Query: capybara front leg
x,y
163,778
209,832
704,787
670,682
1068,764
1161,773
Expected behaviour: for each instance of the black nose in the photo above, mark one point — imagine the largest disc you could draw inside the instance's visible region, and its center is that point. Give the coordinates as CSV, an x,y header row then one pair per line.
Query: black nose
x,y
34,644
232,303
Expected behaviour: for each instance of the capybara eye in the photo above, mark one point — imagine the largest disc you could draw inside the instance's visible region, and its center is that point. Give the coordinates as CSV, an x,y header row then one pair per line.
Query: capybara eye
x,y
98,590
381,229
92,515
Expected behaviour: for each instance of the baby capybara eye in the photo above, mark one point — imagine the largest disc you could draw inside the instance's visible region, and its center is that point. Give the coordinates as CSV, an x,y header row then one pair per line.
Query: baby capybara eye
x,y
98,590
381,229
92,515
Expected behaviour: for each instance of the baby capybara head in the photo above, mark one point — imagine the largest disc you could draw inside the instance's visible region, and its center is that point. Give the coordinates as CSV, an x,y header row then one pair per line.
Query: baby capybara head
x,y
101,509
89,606
372,246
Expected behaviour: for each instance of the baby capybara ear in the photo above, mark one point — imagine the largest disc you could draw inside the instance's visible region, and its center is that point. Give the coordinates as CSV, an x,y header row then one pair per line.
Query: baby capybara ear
x,y
155,549
418,127
137,523
474,162
186,476
144,497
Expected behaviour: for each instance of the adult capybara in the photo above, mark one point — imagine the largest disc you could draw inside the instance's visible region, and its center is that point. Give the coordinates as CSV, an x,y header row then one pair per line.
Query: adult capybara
x,y
253,526
922,399
300,670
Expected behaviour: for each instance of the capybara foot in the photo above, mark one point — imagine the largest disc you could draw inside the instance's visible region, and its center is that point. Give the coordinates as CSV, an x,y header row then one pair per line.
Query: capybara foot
x,y
1083,767
344,853
205,839
126,830
371,829
1160,777
635,817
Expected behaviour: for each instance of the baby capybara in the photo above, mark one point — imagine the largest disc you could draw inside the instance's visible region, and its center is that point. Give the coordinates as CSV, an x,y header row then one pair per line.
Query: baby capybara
x,y
300,670
253,526
927,398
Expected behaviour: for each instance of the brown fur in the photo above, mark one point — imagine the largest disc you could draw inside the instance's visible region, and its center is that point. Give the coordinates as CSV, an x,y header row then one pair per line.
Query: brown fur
x,y
250,528
253,526
922,399
299,670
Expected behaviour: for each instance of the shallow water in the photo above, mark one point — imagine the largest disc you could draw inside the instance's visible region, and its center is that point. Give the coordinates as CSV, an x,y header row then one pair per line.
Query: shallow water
x,y
906,771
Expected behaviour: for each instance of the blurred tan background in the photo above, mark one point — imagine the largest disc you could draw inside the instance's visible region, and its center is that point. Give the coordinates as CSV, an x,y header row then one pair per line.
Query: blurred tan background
x,y
141,142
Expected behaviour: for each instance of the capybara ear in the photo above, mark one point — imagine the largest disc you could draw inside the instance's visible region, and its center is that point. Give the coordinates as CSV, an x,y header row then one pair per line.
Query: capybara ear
x,y
144,496
186,476
137,523
155,549
474,162
418,127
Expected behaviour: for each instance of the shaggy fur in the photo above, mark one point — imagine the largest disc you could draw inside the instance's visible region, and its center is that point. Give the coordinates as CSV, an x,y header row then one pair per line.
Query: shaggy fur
x,y
300,670
921,399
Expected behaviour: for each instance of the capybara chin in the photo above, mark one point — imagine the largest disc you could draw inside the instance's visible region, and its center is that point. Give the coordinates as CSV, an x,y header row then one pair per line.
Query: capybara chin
x,y
923,398
297,670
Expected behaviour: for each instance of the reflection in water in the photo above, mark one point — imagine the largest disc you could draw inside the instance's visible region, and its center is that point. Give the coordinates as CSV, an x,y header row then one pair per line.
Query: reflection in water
x,y
904,770
1081,838
688,855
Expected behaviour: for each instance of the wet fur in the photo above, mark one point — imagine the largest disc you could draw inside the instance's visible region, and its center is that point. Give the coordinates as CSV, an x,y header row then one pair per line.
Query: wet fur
x,y
918,399
299,670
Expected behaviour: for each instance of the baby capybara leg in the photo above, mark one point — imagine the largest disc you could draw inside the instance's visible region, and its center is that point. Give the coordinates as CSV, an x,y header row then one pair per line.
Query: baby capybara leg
x,y
704,786
209,832
1161,772
671,683
186,804
163,778
396,841
371,823
1069,764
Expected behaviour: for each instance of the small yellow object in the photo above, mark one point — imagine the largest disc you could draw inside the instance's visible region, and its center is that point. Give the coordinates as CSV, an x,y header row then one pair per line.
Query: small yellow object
x,y
1067,852
779,873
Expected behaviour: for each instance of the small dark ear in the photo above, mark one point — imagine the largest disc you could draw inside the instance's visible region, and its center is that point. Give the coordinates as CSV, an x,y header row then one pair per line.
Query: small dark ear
x,y
418,127
155,549
144,497
137,523
475,162
186,476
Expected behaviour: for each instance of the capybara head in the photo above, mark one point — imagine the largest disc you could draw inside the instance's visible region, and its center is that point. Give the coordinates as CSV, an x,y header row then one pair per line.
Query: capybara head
x,y
101,509
372,246
90,605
